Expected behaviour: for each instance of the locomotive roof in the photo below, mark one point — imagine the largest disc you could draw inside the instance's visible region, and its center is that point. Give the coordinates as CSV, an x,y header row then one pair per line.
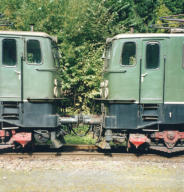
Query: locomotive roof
x,y
27,33
143,35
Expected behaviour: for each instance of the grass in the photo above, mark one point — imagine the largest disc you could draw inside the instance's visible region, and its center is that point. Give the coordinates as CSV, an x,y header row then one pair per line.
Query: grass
x,y
86,140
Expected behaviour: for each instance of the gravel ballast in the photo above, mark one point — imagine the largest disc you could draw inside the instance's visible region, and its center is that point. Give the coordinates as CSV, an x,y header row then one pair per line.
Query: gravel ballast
x,y
83,174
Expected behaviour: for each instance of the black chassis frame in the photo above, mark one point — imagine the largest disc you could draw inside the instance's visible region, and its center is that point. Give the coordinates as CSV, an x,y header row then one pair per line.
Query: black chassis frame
x,y
130,116
29,115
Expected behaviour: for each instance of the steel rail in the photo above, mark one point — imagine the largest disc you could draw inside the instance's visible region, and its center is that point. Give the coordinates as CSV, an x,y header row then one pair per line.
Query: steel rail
x,y
88,150
92,156
77,153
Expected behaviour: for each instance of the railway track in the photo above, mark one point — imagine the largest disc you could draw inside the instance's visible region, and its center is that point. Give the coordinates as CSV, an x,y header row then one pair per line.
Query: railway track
x,y
88,151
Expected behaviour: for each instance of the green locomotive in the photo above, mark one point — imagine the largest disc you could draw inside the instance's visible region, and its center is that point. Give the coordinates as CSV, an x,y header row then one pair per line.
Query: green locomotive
x,y
28,93
143,91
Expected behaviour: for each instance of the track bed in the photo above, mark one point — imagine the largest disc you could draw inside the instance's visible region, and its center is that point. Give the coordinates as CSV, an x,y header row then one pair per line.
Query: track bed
x,y
122,172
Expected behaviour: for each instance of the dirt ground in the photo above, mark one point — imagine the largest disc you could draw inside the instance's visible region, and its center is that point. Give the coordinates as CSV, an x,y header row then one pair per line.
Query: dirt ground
x,y
91,174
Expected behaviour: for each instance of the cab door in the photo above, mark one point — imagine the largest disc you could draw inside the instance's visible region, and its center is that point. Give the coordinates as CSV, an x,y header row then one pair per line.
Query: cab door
x,y
10,71
153,71
124,70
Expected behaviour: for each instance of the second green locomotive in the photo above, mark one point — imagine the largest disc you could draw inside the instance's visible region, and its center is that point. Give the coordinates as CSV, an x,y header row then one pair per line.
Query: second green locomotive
x,y
143,91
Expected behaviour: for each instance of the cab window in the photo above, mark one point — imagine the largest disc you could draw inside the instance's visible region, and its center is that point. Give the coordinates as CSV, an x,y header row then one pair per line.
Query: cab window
x,y
107,55
128,57
33,52
152,55
55,54
9,52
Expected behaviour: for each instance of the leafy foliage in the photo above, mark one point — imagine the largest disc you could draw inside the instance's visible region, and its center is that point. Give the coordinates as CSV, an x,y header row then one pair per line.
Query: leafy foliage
x,y
82,27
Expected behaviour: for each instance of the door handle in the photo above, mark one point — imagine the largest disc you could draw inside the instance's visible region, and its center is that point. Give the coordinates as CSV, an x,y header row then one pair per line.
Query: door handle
x,y
144,75
18,73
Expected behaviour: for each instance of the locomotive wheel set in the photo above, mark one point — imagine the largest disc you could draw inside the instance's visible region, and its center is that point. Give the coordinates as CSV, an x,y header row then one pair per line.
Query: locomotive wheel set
x,y
142,94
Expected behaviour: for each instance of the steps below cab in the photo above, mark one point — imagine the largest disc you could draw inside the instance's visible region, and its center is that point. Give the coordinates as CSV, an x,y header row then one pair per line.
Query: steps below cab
x,y
10,113
150,112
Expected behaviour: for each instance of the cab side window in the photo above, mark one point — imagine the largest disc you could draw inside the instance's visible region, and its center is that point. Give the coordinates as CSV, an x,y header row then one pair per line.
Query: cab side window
x,y
33,52
9,52
55,54
128,57
152,55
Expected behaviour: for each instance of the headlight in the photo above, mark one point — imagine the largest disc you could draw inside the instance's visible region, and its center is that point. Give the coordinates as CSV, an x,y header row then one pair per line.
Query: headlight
x,y
101,92
55,82
102,84
106,92
55,92
106,83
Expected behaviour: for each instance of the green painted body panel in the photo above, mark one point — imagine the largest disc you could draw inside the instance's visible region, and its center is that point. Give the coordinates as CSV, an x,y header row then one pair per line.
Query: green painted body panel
x,y
123,80
37,78
152,80
164,84
174,80
10,79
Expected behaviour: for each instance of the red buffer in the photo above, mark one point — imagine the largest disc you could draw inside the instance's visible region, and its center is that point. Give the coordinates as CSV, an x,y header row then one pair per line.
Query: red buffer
x,y
138,139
